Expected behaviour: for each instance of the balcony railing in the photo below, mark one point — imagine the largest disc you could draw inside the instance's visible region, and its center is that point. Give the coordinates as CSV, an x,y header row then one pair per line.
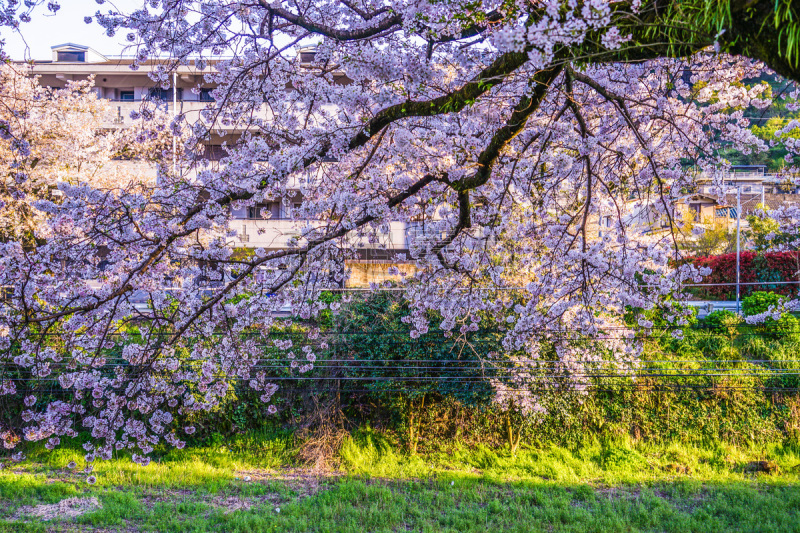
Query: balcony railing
x,y
121,111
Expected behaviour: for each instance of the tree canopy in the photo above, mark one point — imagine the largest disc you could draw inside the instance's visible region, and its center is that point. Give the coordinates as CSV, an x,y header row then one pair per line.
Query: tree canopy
x,y
525,141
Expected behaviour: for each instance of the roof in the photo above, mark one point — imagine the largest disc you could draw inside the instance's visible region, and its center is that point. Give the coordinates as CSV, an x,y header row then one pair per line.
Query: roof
x,y
90,55
69,45
701,196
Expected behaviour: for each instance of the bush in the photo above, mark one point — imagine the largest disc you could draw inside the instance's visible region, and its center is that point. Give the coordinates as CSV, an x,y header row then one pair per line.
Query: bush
x,y
753,267
402,375
722,321
761,302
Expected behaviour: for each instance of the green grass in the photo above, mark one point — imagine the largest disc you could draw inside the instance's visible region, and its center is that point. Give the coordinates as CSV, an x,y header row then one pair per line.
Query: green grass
x,y
599,487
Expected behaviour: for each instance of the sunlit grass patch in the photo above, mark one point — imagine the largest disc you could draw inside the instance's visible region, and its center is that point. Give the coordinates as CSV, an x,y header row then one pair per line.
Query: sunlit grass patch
x,y
601,486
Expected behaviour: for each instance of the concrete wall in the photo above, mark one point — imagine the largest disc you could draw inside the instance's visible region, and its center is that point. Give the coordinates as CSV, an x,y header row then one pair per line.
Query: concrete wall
x,y
364,273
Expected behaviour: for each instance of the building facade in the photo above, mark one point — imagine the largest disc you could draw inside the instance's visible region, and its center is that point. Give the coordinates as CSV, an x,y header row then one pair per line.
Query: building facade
x,y
270,225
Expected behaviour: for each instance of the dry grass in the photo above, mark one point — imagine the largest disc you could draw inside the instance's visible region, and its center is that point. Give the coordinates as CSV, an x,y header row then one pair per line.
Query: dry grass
x,y
65,509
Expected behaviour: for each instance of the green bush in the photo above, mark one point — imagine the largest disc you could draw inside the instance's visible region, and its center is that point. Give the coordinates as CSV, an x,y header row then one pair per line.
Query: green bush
x,y
787,326
759,302
403,375
722,320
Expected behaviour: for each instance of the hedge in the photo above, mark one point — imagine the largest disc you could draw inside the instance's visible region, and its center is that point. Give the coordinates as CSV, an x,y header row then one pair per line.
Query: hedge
x,y
754,267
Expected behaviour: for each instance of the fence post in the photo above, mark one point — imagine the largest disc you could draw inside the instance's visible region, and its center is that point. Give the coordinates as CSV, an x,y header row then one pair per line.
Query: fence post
x,y
738,237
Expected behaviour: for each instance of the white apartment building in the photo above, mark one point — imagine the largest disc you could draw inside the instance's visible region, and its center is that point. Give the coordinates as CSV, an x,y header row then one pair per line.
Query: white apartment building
x,y
752,179
126,89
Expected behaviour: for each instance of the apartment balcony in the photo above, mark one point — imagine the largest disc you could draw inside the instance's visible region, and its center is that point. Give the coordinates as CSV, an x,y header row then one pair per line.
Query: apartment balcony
x,y
120,112
277,233
143,170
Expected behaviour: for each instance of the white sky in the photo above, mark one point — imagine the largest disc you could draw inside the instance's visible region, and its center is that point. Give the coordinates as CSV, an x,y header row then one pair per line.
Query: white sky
x,y
34,39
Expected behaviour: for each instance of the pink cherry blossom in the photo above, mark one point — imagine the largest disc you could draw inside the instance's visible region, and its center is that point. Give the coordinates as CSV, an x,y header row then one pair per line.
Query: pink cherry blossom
x,y
535,190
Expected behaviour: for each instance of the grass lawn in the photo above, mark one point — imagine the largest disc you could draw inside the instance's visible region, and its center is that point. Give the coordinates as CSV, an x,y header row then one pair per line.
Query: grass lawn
x,y
252,485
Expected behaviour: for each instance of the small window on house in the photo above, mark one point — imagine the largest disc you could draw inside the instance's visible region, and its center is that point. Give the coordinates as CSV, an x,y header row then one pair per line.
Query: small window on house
x,y
307,56
126,96
605,222
71,57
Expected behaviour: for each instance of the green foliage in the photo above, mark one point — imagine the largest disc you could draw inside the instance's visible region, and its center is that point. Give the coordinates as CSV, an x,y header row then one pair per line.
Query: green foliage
x,y
722,320
759,302
325,319
718,238
776,152
680,393
379,346
764,233
403,375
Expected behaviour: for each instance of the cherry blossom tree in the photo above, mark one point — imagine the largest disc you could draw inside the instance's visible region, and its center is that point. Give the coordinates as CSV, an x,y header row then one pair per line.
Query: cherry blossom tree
x,y
507,130
49,136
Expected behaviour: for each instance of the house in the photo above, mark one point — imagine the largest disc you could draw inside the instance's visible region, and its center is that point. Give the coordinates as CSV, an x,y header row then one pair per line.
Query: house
x,y
705,209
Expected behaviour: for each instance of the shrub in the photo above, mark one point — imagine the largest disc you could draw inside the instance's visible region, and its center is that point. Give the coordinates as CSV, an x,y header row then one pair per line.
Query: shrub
x,y
753,267
761,302
722,321
404,375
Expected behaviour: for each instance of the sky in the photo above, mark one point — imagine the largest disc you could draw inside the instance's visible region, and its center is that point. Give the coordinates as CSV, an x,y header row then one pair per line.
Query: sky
x,y
34,39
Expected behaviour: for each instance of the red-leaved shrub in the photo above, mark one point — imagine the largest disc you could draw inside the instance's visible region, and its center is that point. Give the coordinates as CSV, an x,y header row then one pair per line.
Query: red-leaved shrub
x,y
754,267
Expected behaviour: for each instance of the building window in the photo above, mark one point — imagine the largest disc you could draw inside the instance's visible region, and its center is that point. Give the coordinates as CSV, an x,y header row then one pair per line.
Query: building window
x,y
308,56
605,222
165,95
71,57
263,211
126,96
213,152
206,96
